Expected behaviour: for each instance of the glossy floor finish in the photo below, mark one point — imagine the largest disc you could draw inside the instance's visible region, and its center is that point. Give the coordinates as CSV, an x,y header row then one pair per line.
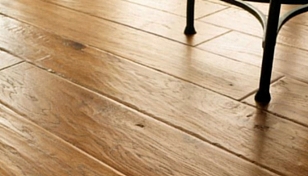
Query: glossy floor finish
x,y
115,88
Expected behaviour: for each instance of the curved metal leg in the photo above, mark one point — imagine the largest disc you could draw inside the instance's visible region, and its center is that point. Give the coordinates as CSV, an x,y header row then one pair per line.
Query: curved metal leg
x,y
291,14
271,26
190,29
263,95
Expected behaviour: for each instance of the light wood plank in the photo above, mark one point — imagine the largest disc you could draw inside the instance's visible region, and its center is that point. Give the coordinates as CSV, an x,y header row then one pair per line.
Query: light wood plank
x,y
7,60
220,74
290,99
294,34
178,7
26,149
124,139
236,19
186,106
175,102
143,18
291,34
245,48
12,39
300,19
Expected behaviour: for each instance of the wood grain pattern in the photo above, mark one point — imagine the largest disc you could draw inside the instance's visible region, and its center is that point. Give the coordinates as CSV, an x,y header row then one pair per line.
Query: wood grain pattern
x,y
290,99
7,59
223,75
147,19
202,8
121,137
292,33
245,48
13,38
183,105
26,149
133,98
172,101
238,20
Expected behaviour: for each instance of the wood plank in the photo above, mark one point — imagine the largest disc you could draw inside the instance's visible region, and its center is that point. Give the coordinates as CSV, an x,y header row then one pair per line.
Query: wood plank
x,y
26,149
183,105
289,99
300,19
177,103
245,48
127,140
178,7
147,19
294,34
220,74
7,60
291,34
13,40
241,20
236,19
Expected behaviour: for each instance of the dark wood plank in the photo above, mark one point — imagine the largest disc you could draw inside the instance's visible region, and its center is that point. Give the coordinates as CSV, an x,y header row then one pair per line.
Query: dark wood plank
x,y
129,141
143,18
220,74
26,149
7,60
290,100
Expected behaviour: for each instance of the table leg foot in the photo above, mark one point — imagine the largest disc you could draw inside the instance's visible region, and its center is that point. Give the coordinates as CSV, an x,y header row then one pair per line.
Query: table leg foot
x,y
263,97
190,30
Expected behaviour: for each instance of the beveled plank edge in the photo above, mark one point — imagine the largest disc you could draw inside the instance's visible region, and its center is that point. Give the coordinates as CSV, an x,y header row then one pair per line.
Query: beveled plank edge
x,y
189,40
126,58
224,5
17,115
256,5
10,53
159,119
151,115
265,107
218,147
179,128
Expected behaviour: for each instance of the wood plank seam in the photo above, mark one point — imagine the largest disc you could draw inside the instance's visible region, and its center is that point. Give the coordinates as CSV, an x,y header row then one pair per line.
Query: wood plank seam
x,y
59,138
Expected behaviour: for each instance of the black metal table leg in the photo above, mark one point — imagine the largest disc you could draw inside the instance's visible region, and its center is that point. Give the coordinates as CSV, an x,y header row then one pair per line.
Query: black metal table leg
x,y
190,28
271,26
271,32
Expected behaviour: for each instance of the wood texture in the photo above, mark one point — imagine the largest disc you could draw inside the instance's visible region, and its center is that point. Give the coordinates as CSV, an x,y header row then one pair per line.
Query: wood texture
x,y
225,76
202,8
189,107
119,136
245,48
147,19
238,20
292,94
292,33
26,149
115,87
140,87
7,60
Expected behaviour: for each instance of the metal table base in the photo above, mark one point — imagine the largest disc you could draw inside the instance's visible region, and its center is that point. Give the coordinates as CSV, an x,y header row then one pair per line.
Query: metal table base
x,y
271,26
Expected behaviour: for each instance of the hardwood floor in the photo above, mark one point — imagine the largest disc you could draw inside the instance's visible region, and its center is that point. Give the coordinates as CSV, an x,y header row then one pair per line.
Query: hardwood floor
x,y
115,88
